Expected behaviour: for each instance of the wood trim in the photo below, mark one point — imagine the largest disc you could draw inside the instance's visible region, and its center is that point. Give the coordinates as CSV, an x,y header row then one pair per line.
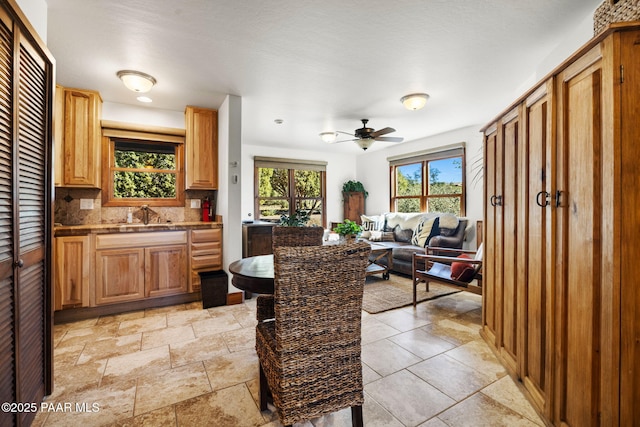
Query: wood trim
x,y
109,126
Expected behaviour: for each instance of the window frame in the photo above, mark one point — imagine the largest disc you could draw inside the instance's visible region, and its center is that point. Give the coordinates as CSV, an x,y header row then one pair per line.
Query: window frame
x,y
424,159
291,165
112,132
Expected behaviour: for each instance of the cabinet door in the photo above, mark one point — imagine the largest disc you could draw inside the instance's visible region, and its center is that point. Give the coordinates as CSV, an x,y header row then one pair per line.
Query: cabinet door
x,y
165,270
256,240
119,275
72,279
58,135
535,249
82,138
506,209
492,263
579,306
201,146
353,205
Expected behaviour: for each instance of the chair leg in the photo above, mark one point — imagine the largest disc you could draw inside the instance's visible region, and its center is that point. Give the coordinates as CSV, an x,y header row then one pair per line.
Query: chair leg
x,y
426,286
356,416
264,390
415,291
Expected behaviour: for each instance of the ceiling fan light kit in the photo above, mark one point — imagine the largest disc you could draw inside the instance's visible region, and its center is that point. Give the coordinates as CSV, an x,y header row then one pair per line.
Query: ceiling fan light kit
x,y
329,137
363,136
136,81
414,101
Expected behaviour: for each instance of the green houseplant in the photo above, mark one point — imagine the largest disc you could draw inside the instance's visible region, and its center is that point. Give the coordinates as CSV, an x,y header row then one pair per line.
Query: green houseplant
x,y
354,187
348,228
297,219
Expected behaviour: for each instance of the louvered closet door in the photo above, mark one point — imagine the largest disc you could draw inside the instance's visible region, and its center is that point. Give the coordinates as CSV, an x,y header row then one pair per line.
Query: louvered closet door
x,y
25,217
32,154
7,300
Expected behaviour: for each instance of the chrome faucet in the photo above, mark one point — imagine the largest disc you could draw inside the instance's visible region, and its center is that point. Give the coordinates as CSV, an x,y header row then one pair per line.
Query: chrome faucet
x,y
145,214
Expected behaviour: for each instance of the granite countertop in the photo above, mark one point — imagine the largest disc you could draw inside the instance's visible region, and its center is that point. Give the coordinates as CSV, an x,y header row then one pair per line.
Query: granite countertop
x,y
81,230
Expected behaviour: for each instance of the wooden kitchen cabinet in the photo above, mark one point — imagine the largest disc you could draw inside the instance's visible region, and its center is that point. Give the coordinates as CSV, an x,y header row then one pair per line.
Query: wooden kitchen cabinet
x,y
206,254
165,270
353,205
134,266
77,135
72,272
560,301
201,148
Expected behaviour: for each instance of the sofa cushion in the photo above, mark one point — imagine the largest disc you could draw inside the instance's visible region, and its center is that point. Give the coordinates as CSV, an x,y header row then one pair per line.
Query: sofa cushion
x,y
402,235
462,271
381,236
425,230
405,252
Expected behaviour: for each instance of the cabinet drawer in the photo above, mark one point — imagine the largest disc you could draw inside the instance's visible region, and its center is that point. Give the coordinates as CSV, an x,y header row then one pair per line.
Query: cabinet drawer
x,y
213,261
210,248
133,240
209,235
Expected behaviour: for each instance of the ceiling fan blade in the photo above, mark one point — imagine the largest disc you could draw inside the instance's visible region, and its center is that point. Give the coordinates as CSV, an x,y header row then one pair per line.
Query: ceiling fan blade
x,y
381,132
389,139
345,133
343,140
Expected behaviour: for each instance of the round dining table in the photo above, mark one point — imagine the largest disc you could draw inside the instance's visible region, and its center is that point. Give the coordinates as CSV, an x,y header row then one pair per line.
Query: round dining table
x,y
253,274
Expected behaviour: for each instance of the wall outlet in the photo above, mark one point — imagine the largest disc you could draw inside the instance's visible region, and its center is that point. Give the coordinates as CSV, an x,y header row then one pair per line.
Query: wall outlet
x,y
86,203
195,203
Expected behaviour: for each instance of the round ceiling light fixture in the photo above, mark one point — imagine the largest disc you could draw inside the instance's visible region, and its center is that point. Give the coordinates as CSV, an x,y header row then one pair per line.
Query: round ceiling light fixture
x,y
136,81
414,101
329,137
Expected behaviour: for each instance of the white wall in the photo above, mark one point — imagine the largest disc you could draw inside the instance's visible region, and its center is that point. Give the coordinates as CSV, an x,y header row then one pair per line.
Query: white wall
x,y
142,115
373,171
340,168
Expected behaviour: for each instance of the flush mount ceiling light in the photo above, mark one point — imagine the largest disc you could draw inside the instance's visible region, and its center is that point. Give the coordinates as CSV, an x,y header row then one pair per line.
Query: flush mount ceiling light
x,y
328,137
414,101
136,80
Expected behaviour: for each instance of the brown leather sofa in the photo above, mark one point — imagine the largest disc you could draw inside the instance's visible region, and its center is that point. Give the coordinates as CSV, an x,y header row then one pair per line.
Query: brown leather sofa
x,y
399,239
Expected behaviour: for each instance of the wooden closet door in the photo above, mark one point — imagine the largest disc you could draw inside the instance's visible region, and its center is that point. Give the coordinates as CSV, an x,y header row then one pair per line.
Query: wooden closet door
x,y
490,304
535,248
579,276
26,313
506,227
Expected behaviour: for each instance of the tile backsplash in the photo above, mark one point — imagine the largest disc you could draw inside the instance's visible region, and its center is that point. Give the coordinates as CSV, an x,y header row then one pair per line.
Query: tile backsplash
x,y
68,210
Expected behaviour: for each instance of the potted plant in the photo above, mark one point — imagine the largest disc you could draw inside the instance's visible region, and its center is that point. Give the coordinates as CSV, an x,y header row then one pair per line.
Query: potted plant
x,y
348,229
354,187
297,219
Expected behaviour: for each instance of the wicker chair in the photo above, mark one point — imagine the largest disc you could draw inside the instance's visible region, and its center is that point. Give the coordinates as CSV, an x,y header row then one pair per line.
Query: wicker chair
x,y
310,353
289,237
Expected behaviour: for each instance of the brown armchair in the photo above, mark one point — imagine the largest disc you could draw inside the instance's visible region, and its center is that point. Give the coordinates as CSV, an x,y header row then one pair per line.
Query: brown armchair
x,y
310,352
447,270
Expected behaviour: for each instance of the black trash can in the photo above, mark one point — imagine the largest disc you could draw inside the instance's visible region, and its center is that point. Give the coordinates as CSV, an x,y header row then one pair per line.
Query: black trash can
x,y
213,287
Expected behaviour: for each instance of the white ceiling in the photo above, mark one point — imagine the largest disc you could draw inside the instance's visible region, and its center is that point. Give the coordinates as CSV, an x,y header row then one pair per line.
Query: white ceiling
x,y
318,66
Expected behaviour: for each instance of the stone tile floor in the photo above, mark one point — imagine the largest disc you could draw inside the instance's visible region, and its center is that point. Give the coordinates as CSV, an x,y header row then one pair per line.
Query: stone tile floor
x,y
185,366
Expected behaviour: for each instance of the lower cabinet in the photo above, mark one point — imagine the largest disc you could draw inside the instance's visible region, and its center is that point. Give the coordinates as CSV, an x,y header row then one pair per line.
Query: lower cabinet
x,y
206,254
72,272
140,265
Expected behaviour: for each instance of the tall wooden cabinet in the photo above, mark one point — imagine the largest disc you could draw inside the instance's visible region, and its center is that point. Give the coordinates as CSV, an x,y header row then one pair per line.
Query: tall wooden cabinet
x,y
562,226
201,148
26,108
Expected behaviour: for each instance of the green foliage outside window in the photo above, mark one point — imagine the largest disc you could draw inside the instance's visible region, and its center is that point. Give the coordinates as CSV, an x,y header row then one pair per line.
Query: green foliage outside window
x,y
144,174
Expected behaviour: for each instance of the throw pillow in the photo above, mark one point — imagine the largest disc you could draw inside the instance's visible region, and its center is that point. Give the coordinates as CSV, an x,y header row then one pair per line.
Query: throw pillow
x,y
462,271
371,223
388,236
448,224
424,231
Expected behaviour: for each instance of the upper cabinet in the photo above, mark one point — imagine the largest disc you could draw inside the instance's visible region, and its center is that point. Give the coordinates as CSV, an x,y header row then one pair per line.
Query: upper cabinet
x,y
201,147
77,138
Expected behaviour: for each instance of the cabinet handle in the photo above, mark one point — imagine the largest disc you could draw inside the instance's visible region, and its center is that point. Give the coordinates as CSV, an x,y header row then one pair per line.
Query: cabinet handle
x,y
495,200
542,202
557,198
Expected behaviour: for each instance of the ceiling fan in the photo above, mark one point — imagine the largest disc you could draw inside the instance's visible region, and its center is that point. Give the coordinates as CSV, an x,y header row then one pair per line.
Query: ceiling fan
x,y
363,136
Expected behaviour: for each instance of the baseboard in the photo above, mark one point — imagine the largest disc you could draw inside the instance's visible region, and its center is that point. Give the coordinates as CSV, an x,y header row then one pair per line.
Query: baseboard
x,y
234,298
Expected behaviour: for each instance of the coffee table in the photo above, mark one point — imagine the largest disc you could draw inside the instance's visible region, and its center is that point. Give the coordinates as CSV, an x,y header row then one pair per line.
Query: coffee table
x,y
380,251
